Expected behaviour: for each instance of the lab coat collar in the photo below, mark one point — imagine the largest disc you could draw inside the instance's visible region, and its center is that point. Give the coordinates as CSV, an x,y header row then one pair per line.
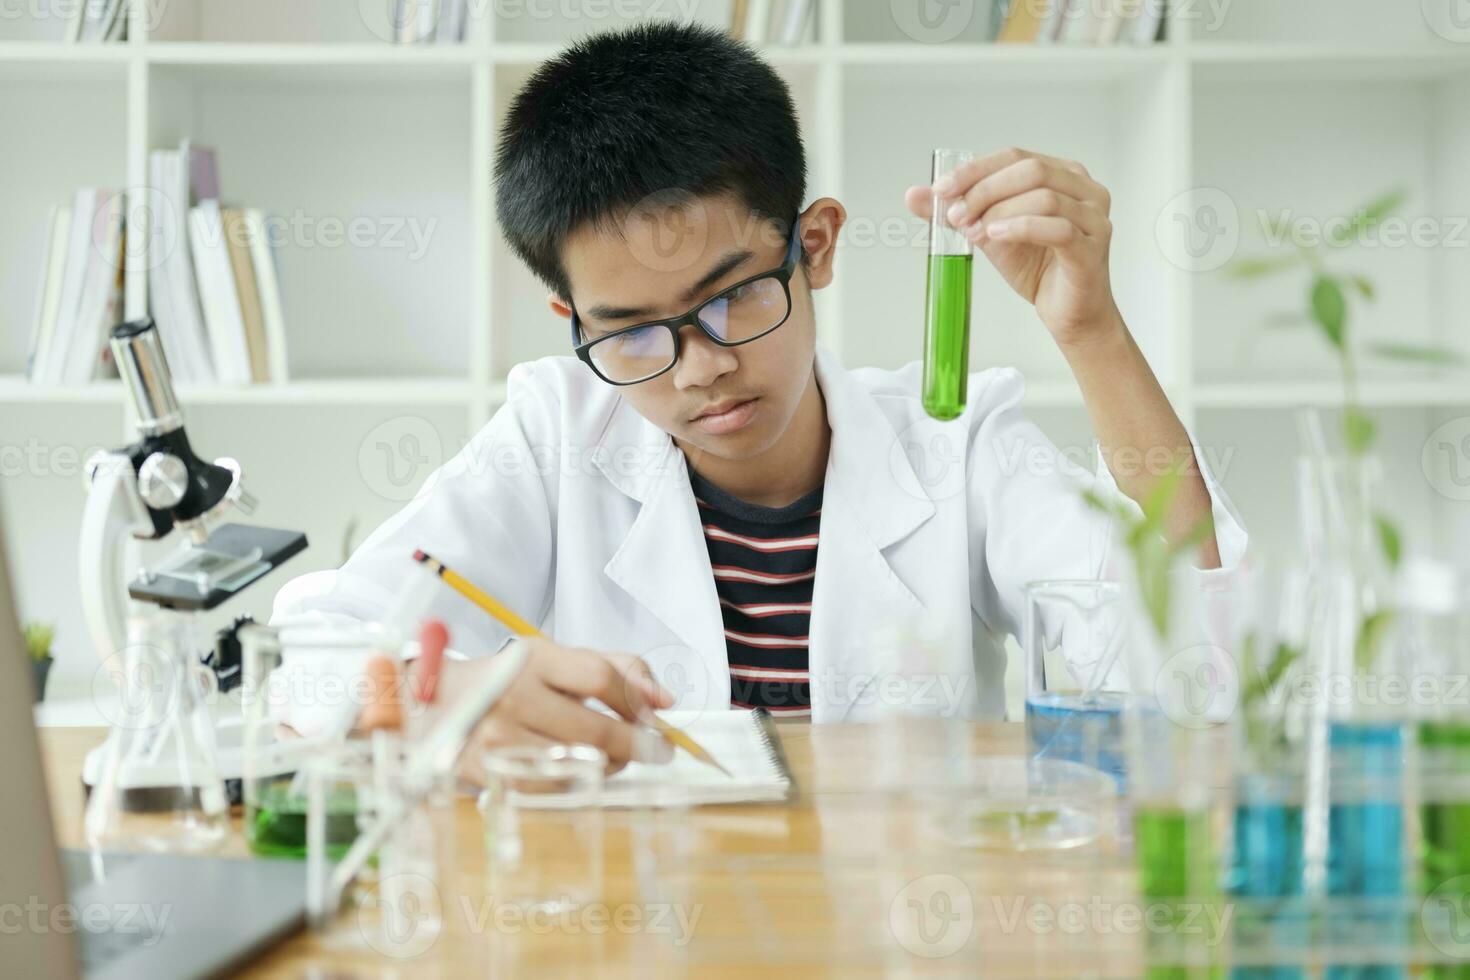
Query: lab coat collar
x,y
868,463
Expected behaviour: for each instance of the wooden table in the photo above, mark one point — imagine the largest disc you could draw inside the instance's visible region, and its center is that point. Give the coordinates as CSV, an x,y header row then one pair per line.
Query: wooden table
x,y
839,883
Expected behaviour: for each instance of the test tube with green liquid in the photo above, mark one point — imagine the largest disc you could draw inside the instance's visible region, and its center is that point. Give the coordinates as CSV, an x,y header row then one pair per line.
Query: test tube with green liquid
x,y
946,304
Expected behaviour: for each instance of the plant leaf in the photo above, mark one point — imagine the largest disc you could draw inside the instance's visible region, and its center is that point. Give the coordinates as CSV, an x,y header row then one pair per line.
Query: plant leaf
x,y
1329,309
1416,352
1285,321
1260,684
1261,266
1358,430
1364,286
1370,638
1160,495
38,639
1375,211
1196,535
1389,539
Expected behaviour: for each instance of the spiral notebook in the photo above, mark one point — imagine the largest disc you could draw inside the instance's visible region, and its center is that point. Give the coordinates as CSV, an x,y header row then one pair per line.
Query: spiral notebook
x,y
745,742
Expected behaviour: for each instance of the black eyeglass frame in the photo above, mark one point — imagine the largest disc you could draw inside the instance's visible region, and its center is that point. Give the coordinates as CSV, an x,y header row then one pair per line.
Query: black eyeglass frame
x,y
674,324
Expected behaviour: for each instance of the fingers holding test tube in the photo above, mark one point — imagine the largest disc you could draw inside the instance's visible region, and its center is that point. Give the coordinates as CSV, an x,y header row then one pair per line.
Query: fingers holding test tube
x,y
1043,222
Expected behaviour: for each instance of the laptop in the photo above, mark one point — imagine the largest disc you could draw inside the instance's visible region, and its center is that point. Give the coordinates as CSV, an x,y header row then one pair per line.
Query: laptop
x,y
154,915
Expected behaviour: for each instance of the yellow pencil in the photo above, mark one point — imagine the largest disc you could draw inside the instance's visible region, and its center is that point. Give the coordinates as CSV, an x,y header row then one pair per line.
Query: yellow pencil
x,y
517,625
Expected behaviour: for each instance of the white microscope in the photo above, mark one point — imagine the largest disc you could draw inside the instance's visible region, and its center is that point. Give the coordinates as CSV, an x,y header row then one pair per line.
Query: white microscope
x,y
174,745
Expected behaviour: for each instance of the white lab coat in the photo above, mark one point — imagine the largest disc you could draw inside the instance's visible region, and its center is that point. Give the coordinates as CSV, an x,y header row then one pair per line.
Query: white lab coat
x,y
577,512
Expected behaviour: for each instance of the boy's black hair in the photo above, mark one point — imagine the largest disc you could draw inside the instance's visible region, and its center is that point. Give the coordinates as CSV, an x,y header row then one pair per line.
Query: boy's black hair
x,y
654,109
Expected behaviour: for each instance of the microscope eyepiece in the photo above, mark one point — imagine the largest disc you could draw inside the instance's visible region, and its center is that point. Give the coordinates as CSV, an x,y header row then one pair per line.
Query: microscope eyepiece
x,y
139,354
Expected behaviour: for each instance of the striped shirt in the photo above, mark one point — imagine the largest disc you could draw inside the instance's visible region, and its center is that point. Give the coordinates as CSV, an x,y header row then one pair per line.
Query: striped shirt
x,y
764,561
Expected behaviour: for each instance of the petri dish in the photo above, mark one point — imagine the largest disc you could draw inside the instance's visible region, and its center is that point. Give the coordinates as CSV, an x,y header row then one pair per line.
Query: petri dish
x,y
1021,804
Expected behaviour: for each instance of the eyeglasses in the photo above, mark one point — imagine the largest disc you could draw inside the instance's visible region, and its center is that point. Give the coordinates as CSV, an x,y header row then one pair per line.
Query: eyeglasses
x,y
746,311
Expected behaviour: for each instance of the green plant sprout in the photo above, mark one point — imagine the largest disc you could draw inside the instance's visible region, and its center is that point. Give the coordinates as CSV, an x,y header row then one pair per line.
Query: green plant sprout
x,y
38,637
1328,311
1154,555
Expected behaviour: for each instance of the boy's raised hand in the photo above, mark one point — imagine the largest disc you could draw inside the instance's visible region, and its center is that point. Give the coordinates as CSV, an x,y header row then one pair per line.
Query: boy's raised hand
x,y
1043,223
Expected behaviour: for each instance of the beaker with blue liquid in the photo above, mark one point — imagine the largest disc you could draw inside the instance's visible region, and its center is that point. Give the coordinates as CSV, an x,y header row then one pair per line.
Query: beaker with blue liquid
x,y
1074,633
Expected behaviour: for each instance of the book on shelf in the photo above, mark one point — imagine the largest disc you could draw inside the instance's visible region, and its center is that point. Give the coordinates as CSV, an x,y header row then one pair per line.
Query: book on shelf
x,y
263,264
213,286
429,21
237,244
80,291
773,22
172,294
97,20
223,317
1095,23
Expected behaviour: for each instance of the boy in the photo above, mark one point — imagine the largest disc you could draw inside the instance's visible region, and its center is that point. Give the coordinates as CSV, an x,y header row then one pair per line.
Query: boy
x,y
704,490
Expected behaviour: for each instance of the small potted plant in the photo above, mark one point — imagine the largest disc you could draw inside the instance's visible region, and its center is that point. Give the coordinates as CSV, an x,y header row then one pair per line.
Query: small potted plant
x,y
38,647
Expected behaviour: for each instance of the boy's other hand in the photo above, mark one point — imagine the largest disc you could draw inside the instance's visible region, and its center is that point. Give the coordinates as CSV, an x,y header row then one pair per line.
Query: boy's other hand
x,y
1043,223
544,705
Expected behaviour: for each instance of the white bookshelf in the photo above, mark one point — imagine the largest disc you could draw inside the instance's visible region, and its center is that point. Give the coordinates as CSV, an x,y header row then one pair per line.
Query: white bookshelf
x,y
1315,105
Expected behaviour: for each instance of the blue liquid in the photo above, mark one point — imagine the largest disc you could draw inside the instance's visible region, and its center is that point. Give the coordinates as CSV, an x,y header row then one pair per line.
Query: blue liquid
x,y
1267,867
1064,726
1365,826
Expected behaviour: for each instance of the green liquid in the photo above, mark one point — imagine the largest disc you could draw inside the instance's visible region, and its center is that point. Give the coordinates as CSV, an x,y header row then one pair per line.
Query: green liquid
x,y
947,335
275,825
1445,826
1177,872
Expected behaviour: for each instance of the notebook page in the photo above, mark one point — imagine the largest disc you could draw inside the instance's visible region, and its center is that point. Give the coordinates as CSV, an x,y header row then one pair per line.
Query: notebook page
x,y
737,738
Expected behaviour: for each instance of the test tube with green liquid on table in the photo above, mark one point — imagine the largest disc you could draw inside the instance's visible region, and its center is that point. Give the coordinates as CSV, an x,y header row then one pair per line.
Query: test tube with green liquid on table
x,y
946,304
